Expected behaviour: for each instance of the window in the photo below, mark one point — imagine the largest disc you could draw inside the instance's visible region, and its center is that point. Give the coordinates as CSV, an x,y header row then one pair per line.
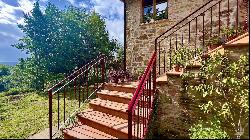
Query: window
x,y
154,9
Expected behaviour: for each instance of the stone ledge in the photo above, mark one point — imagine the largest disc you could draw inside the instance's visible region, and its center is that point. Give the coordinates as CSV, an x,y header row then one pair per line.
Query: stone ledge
x,y
162,80
154,22
173,73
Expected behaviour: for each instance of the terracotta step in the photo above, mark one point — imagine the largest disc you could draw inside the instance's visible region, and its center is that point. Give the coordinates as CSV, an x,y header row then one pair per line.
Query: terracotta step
x,y
161,80
81,131
120,97
193,68
130,88
109,124
113,108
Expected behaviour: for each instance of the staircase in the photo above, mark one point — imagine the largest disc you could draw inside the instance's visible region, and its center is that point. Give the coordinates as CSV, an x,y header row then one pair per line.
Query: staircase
x,y
175,108
123,111
107,117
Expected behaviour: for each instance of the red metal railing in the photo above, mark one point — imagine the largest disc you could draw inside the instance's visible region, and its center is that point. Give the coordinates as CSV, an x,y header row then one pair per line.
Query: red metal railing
x,y
140,106
195,29
78,87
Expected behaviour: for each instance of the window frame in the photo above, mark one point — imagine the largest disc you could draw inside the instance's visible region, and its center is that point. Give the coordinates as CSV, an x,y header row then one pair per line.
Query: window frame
x,y
154,10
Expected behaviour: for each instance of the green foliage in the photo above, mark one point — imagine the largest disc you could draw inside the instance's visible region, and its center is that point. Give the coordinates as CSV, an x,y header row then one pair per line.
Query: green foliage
x,y
184,54
207,130
58,41
148,16
215,40
223,90
4,71
161,14
230,32
24,115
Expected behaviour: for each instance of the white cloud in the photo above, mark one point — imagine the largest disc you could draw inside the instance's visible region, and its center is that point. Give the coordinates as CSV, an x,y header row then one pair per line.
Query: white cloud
x,y
9,35
25,5
113,14
71,2
82,4
8,12
116,29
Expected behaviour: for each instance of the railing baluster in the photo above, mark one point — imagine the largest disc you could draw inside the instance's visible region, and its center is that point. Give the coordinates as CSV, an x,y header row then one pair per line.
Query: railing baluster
x,y
83,79
64,94
237,16
164,60
58,111
103,69
79,90
75,88
130,121
176,41
97,74
134,123
203,30
150,90
195,35
87,84
143,101
219,17
189,33
138,121
159,59
50,113
182,43
170,58
211,21
228,14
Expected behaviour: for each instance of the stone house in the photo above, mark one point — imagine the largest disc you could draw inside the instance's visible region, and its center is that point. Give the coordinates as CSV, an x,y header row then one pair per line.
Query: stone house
x,y
145,20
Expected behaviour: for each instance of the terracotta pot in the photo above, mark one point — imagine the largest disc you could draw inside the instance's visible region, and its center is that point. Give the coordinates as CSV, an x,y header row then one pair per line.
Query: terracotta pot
x,y
177,68
211,47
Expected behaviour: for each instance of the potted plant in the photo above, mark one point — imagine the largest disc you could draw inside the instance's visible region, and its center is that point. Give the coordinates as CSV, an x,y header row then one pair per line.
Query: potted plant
x,y
214,42
178,60
231,33
177,67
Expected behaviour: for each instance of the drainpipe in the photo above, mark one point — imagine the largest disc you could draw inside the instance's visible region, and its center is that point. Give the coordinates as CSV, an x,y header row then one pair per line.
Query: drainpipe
x,y
125,36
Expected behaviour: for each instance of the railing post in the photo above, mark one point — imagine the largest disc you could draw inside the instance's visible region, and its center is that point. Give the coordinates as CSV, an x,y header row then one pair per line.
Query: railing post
x,y
50,114
130,124
154,75
103,69
156,53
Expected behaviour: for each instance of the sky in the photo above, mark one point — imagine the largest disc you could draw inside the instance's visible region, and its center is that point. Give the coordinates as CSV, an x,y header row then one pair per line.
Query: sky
x,y
11,14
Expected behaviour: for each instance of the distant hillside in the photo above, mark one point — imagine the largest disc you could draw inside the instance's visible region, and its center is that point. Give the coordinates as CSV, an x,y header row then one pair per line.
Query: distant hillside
x,y
9,63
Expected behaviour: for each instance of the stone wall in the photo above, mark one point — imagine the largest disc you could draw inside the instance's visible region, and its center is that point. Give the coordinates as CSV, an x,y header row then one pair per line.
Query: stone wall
x,y
176,112
141,36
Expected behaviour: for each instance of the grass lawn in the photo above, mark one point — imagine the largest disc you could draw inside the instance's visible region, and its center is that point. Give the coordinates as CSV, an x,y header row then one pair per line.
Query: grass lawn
x,y
26,114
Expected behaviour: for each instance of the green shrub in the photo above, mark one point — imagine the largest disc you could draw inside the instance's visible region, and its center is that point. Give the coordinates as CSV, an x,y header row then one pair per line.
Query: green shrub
x,y
223,91
208,130
15,91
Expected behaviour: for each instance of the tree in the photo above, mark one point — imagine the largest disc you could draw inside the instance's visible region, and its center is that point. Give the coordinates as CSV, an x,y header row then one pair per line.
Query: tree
x,y
4,71
60,40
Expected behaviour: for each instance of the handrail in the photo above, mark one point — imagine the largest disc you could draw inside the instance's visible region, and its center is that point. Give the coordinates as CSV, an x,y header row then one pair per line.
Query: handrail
x,y
142,81
80,82
184,19
182,36
75,72
142,95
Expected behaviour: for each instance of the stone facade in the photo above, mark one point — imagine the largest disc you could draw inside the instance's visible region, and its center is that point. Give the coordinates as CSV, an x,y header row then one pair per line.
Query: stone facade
x,y
176,112
141,36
